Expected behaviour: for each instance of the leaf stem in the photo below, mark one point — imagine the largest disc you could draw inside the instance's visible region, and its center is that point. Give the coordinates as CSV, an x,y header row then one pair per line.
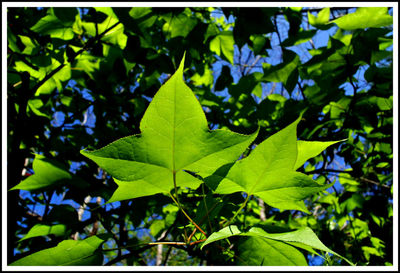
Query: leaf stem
x,y
177,199
187,216
237,212
205,205
198,241
191,235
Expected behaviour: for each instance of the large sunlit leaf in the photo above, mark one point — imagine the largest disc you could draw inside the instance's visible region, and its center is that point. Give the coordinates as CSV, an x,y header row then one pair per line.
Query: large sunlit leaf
x,y
68,252
268,172
48,174
303,238
365,17
174,137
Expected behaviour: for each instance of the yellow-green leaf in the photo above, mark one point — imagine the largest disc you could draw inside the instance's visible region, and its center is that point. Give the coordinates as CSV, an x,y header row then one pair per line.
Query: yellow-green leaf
x,y
365,17
44,230
174,139
268,172
48,174
68,252
223,43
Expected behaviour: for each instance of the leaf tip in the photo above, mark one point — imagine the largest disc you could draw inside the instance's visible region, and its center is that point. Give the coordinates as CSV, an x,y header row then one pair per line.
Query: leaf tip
x,y
14,188
84,152
182,63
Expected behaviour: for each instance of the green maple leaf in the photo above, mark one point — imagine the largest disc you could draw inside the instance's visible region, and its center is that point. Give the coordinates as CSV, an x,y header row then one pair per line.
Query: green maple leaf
x,y
174,138
269,171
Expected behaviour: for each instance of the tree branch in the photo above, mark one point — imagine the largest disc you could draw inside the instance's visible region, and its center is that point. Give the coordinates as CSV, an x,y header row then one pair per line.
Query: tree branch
x,y
373,182
253,64
349,172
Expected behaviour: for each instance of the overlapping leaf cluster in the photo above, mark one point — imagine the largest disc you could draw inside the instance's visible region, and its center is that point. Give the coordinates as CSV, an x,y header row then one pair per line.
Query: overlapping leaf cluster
x,y
85,77
175,140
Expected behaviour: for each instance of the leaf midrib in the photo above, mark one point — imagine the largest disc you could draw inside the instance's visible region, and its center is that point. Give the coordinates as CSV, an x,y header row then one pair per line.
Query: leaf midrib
x,y
174,129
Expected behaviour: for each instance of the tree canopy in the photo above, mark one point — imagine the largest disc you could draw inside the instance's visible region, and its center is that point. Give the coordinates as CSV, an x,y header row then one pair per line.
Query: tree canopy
x,y
200,136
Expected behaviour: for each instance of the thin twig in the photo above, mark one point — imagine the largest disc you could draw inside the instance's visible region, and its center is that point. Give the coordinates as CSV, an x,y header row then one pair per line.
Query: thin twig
x,y
327,170
253,64
373,182
205,205
301,90
48,200
237,212
61,66
187,216
167,256
198,241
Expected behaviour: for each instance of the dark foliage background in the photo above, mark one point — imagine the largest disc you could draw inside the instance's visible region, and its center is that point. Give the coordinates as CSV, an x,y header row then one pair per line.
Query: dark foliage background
x,y
82,77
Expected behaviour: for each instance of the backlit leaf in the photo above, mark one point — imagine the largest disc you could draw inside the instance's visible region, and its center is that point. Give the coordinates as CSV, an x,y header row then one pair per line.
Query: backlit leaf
x,y
268,172
175,137
321,20
179,25
31,46
51,25
223,44
365,17
48,174
113,35
44,230
304,238
310,149
34,105
68,252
